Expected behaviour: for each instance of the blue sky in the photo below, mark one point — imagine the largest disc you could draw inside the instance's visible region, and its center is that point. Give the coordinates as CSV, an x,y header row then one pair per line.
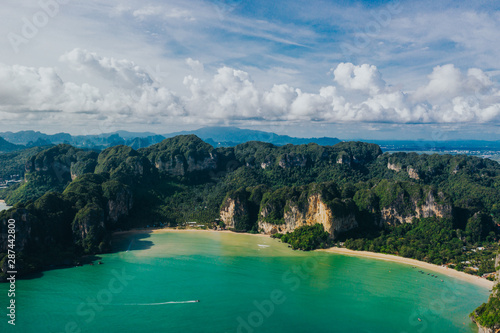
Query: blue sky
x,y
350,69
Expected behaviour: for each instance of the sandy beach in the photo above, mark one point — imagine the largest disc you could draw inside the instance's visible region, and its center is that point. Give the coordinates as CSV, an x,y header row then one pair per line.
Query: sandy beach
x,y
164,230
372,255
438,269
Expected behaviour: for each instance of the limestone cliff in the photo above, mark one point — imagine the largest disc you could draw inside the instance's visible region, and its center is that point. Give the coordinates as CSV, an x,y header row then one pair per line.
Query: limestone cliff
x,y
89,230
292,160
316,211
23,227
178,165
119,205
61,163
234,212
431,207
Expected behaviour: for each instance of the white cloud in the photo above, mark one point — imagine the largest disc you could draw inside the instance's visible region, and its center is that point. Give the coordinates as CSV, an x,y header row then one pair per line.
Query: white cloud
x,y
195,65
230,95
163,12
118,71
365,77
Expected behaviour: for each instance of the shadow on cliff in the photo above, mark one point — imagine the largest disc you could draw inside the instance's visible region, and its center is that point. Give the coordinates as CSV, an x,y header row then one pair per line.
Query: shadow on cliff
x,y
131,241
66,263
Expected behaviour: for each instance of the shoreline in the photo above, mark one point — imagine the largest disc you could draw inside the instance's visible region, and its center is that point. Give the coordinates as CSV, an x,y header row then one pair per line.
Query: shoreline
x,y
476,280
479,281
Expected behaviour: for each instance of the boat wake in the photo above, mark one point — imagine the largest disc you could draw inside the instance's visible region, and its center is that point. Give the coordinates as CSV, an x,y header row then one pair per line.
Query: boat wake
x,y
149,304
130,245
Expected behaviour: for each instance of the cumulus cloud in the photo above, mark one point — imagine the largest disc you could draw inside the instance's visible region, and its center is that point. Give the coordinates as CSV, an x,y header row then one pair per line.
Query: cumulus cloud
x,y
230,94
365,77
118,71
358,95
195,65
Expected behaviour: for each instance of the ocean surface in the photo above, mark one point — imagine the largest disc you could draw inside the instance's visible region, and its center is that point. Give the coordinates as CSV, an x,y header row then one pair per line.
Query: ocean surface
x,y
243,283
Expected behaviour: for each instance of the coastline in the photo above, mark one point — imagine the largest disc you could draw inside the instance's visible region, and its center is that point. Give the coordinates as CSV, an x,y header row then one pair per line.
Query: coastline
x,y
481,282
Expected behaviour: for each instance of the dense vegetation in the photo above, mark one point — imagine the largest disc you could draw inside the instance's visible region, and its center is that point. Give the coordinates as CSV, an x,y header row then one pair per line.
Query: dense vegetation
x,y
488,314
306,238
184,179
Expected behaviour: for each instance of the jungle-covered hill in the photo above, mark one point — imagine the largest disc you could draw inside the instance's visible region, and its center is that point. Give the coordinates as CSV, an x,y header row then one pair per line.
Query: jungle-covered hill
x,y
73,199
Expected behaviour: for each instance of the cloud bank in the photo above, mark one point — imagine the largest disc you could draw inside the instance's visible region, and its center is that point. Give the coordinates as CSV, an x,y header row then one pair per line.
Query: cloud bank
x,y
133,96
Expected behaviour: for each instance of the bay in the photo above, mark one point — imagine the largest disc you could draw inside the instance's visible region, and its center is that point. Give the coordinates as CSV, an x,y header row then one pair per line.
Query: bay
x,y
243,283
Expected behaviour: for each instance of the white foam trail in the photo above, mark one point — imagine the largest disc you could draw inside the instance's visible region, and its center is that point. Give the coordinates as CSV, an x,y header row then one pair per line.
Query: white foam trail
x,y
130,245
181,302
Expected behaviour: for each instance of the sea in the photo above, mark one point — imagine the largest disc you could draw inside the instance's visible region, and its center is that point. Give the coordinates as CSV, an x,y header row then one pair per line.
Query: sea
x,y
225,282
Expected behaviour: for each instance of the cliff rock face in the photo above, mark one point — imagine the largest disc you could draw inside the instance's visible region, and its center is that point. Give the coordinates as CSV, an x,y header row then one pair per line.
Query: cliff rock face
x,y
233,211
62,163
393,166
89,230
23,231
412,173
344,158
430,208
119,205
178,165
315,212
293,160
175,166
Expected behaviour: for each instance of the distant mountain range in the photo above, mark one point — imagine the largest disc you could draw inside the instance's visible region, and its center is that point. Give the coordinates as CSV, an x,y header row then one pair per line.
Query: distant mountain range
x,y
231,136
218,137
6,146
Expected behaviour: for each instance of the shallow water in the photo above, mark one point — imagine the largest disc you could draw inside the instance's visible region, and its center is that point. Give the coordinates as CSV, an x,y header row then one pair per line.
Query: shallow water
x,y
243,283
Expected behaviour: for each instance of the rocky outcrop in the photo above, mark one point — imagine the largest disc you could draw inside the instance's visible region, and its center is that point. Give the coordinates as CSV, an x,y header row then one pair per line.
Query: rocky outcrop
x,y
393,166
431,207
178,165
344,158
62,163
265,165
23,227
293,160
89,230
316,211
119,205
234,211
412,173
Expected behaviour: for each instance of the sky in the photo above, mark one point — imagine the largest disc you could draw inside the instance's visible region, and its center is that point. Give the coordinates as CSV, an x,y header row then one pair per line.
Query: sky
x,y
407,70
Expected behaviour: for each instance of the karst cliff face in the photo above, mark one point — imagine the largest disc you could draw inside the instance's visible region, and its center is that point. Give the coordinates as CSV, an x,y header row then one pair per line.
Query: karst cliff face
x,y
315,212
119,206
179,166
431,207
233,211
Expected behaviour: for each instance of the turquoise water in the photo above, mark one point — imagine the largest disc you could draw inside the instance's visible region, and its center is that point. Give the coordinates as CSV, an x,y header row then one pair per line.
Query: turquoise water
x,y
244,284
